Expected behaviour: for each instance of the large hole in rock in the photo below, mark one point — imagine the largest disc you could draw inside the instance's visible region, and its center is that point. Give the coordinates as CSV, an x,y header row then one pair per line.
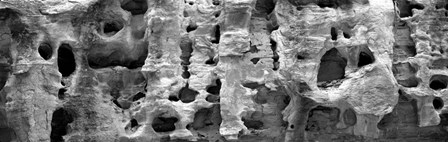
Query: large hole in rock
x,y
111,28
214,88
438,82
349,116
66,60
438,103
405,7
59,122
404,73
61,93
253,124
334,33
263,8
136,7
138,96
365,57
332,66
207,117
275,56
45,51
164,124
322,118
187,95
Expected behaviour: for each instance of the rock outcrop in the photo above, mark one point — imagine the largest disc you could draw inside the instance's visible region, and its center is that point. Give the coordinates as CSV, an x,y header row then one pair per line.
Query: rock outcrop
x,y
223,70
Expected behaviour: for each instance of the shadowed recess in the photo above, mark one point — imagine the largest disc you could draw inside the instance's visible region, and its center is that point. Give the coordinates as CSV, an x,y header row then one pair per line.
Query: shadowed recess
x,y
112,27
136,7
206,117
61,118
164,124
365,57
114,53
138,96
332,66
438,82
404,73
322,118
66,60
4,74
405,7
437,103
45,51
187,95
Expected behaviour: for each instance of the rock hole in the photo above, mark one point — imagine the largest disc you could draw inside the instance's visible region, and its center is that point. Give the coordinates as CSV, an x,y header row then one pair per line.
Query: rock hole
x,y
214,88
349,117
438,82
45,51
322,118
136,7
437,103
404,73
185,74
66,60
275,56
187,95
264,7
365,58
212,61
132,126
252,124
252,85
334,33
405,7
138,96
191,27
59,122
300,57
207,117
346,35
164,124
111,28
216,2
173,98
216,35
61,93
332,66
255,60
7,134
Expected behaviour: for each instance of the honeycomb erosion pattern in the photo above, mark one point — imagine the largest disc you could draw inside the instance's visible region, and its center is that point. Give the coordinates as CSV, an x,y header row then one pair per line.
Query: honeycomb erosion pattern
x,y
223,70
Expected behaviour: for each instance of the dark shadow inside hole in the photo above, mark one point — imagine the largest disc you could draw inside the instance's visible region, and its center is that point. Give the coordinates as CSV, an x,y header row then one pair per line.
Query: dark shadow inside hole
x,y
346,35
211,61
4,74
437,103
206,117
66,60
59,122
334,33
216,2
61,93
116,103
438,82
405,7
111,28
45,51
216,35
255,60
322,118
164,124
332,66
215,88
252,85
173,98
134,123
136,7
364,59
275,56
191,27
253,124
187,95
185,74
138,96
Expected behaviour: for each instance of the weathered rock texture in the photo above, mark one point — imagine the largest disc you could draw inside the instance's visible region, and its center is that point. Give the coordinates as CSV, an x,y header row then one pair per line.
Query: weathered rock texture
x,y
223,70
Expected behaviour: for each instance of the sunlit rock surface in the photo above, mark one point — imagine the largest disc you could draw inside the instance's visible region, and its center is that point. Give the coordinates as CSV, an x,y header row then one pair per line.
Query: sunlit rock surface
x,y
223,70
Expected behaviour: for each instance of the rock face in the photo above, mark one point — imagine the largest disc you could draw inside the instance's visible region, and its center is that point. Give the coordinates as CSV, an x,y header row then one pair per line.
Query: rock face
x,y
223,70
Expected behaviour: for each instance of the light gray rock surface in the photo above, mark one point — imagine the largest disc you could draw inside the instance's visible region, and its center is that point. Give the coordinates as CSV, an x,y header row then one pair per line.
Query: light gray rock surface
x,y
223,70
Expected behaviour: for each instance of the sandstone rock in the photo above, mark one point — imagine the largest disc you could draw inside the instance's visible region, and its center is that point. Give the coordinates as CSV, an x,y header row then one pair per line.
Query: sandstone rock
x,y
223,70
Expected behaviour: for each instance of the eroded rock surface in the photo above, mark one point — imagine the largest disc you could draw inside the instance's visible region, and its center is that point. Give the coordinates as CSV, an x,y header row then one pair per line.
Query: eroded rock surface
x,y
223,70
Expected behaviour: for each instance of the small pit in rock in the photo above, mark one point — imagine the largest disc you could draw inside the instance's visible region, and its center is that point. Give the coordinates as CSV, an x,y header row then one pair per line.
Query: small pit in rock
x,y
206,117
66,60
365,57
138,96
216,35
45,51
112,27
405,7
164,124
